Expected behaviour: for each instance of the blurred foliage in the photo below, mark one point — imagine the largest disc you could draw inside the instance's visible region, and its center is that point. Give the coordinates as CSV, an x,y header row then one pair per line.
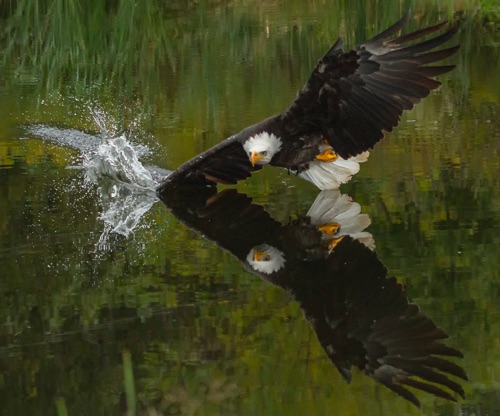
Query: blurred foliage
x,y
204,336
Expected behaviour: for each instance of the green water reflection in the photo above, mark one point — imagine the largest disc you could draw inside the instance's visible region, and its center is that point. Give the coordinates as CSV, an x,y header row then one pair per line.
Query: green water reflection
x,y
163,321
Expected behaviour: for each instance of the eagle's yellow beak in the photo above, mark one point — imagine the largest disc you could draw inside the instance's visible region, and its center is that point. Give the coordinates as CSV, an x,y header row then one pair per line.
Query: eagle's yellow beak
x,y
260,255
255,157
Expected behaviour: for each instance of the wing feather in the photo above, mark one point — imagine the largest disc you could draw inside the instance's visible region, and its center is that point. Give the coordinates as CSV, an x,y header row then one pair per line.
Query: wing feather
x,y
361,317
224,163
352,97
368,321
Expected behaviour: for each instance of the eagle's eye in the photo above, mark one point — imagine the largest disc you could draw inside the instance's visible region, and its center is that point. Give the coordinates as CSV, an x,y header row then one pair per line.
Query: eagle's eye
x,y
266,258
263,153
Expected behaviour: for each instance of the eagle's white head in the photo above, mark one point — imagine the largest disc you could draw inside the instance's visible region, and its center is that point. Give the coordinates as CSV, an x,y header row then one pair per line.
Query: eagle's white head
x,y
262,147
266,259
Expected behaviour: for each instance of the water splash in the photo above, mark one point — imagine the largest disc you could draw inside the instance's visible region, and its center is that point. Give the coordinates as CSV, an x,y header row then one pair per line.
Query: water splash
x,y
126,187
112,165
123,208
117,160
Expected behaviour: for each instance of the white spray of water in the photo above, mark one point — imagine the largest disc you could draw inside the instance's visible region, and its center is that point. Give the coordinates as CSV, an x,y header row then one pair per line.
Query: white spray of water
x,y
116,159
112,167
127,188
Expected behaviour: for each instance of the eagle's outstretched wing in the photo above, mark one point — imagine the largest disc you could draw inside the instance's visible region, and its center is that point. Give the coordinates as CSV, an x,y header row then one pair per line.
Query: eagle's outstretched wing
x,y
363,318
352,97
225,163
227,218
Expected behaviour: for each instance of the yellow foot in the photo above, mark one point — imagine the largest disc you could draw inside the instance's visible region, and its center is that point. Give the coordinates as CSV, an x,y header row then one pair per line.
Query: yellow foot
x,y
329,228
327,156
333,243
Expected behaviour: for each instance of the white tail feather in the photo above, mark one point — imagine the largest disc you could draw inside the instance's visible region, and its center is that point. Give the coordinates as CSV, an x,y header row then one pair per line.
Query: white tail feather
x,y
332,207
330,175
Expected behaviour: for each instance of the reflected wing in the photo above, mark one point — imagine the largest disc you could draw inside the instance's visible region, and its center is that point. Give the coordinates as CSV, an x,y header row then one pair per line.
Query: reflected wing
x,y
227,218
363,318
352,97
360,316
237,225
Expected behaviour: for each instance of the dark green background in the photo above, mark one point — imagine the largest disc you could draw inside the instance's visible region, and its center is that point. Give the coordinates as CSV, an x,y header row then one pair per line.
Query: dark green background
x,y
163,321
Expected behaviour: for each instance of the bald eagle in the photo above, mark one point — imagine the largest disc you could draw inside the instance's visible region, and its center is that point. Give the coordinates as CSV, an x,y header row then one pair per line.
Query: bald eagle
x,y
350,99
325,261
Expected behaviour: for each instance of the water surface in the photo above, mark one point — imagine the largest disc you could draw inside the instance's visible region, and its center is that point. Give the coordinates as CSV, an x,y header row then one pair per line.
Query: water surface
x,y
110,305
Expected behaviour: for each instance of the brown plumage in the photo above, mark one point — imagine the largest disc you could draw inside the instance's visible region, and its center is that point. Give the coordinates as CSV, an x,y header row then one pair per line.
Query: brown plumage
x,y
350,99
360,315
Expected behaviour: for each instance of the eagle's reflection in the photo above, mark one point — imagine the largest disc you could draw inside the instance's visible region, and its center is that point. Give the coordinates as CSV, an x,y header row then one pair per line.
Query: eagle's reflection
x,y
325,261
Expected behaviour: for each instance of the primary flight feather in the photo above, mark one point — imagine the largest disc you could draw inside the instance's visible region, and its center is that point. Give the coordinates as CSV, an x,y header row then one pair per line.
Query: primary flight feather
x,y
348,102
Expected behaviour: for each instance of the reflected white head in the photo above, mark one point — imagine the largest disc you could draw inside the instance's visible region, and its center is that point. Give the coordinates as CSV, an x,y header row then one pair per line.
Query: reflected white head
x,y
261,148
266,259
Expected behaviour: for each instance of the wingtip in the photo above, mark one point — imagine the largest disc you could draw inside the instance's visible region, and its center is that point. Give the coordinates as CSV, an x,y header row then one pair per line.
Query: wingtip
x,y
391,29
407,16
336,48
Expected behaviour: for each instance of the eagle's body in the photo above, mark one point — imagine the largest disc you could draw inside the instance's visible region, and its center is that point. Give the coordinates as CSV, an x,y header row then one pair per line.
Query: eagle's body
x,y
350,99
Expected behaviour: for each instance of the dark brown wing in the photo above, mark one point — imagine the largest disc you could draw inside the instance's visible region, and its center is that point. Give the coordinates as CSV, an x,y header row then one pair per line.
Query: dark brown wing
x,y
227,218
225,163
360,316
352,97
363,318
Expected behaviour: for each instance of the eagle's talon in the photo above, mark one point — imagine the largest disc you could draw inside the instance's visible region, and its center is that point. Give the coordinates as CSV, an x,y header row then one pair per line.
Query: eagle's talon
x,y
327,156
330,228
334,242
